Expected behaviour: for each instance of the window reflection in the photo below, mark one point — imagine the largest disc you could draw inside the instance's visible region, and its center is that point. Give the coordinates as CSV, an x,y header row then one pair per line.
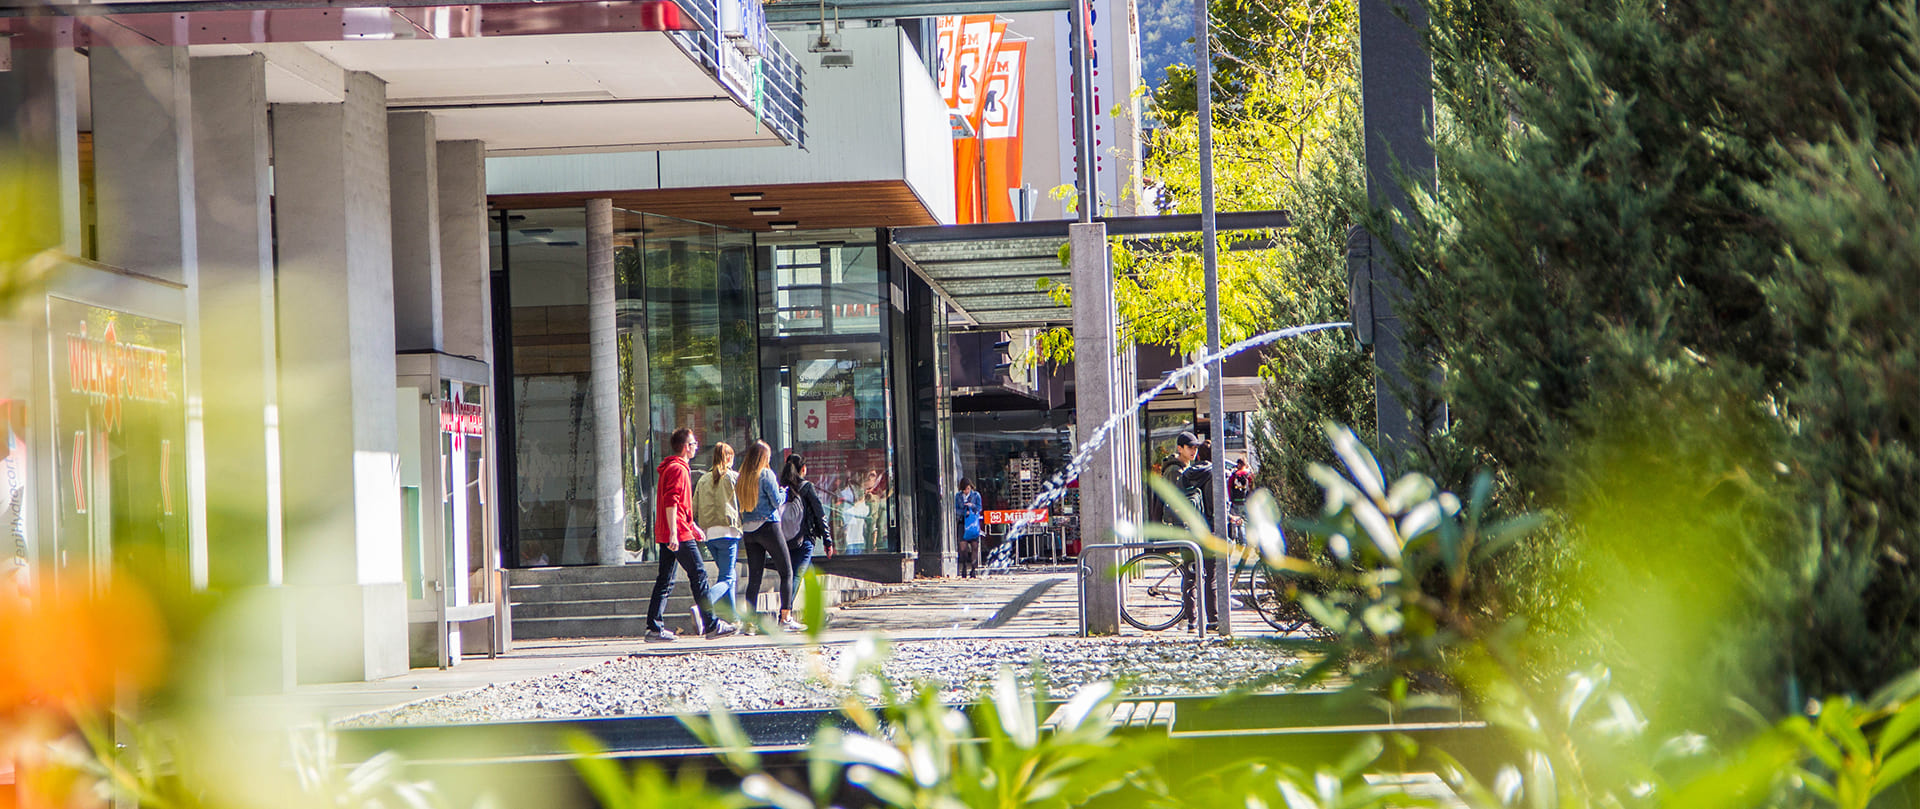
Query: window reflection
x,y
824,366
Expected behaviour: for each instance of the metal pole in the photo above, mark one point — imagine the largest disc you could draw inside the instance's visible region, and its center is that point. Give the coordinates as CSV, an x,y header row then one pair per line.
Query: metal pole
x,y
1216,390
1077,37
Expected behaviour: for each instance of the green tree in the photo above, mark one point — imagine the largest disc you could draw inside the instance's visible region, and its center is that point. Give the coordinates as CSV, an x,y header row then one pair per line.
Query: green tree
x,y
1681,232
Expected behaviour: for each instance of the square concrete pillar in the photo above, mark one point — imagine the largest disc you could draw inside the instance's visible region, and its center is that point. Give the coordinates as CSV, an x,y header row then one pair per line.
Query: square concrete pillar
x,y
1098,390
240,367
39,138
413,158
338,408
143,160
466,286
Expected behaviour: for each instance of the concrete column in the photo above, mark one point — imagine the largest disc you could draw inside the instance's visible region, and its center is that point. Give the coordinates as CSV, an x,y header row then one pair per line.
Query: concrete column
x,y
143,168
239,359
338,394
413,159
609,480
1097,388
143,160
39,139
466,300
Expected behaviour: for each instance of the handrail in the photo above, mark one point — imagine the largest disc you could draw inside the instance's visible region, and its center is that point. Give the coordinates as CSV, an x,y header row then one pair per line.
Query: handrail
x,y
1199,587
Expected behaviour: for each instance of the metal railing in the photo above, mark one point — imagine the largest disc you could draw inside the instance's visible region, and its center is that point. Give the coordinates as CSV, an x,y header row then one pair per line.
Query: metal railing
x,y
782,108
1200,594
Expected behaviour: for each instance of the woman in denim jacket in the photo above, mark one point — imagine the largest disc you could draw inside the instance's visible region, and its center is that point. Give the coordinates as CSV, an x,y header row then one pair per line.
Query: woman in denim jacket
x,y
760,500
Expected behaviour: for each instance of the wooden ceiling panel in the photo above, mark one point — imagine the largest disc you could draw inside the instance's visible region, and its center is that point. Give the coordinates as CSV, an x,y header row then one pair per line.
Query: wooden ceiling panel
x,y
813,206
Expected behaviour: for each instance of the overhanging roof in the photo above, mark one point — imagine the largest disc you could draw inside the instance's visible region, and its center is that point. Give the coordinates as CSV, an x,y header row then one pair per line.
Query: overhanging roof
x,y
787,11
525,77
997,274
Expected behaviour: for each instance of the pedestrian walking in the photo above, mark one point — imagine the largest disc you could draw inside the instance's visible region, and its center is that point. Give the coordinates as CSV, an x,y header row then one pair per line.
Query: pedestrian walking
x,y
717,509
760,497
803,520
678,535
969,511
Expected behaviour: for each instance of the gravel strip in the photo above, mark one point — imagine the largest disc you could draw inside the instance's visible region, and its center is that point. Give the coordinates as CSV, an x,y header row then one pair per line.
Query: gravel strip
x,y
789,678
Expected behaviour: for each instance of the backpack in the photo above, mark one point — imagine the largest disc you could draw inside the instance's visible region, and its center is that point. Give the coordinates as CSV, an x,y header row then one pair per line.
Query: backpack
x,y
791,514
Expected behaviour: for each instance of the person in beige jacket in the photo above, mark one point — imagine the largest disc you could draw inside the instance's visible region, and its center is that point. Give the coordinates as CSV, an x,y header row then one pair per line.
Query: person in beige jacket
x,y
717,509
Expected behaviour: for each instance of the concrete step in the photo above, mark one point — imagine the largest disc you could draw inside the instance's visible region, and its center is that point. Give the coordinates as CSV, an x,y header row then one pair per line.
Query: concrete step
x,y
626,618
586,574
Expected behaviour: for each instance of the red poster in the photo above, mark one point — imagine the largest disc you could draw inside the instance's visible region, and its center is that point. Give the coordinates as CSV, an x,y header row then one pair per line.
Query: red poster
x,y
840,414
1000,123
979,37
1013,515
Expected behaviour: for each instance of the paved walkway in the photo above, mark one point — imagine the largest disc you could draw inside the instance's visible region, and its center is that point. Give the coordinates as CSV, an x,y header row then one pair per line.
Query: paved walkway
x,y
926,609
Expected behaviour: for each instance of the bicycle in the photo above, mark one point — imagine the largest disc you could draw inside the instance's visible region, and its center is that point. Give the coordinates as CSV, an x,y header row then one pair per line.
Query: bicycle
x,y
1274,597
1156,589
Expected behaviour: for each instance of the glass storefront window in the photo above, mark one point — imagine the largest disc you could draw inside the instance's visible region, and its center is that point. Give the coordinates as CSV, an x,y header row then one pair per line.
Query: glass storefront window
x,y
686,346
120,425
824,360
691,292
545,254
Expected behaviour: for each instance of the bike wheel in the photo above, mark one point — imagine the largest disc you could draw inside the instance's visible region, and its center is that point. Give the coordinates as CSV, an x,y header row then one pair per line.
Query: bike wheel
x,y
1267,591
1156,590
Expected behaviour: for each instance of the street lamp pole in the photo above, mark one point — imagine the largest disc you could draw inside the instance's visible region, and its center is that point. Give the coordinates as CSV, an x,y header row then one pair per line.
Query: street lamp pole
x,y
1216,392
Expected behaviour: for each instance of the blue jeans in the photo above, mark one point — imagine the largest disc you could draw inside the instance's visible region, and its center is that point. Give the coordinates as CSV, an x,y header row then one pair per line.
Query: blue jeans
x,y
801,551
723,593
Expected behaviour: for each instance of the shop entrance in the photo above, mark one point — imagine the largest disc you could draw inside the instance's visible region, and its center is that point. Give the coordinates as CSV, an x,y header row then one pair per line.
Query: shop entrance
x,y
451,550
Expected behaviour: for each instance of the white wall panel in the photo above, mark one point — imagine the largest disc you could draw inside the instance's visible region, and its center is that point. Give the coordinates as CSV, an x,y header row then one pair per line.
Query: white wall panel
x,y
927,138
852,114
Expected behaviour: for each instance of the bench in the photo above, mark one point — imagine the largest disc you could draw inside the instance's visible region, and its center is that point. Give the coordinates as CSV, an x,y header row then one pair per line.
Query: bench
x,y
1154,717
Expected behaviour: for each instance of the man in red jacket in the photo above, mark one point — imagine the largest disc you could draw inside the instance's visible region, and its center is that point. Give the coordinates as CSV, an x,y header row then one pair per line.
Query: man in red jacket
x,y
679,539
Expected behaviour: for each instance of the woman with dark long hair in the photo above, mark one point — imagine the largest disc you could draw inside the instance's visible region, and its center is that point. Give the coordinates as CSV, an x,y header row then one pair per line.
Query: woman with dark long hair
x,y
812,527
761,497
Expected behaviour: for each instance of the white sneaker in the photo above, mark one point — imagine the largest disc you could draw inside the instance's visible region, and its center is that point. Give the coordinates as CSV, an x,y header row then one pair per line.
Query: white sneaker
x,y
791,625
722,629
659,637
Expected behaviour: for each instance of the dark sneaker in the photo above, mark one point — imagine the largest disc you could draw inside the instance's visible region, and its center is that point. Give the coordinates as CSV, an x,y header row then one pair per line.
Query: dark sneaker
x,y
722,629
659,636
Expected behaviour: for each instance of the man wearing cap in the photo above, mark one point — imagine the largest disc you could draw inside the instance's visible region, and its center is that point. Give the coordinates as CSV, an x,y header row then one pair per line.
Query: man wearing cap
x,y
1194,478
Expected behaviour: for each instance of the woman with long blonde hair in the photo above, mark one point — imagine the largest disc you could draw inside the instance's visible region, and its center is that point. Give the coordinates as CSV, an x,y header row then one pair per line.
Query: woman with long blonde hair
x,y
717,509
761,497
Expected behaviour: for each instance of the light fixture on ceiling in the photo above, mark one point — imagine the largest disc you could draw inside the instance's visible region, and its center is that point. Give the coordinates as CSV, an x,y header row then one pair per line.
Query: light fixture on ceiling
x,y
828,44
749,196
772,211
784,224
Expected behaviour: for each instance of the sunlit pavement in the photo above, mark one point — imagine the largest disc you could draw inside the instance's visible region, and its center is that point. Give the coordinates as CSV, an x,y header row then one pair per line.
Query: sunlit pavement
x,y
924,610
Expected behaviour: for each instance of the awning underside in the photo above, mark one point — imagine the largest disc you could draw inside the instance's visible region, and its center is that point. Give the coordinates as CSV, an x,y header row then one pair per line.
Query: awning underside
x,y
997,275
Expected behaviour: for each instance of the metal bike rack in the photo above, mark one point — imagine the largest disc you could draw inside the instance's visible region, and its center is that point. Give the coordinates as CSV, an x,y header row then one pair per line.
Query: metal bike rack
x,y
1199,586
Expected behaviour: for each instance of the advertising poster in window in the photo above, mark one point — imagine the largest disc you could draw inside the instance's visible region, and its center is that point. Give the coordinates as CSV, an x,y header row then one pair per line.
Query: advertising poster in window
x,y
840,418
811,424
119,434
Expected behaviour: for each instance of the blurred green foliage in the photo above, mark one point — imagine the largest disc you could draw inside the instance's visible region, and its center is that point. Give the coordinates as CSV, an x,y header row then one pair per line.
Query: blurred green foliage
x,y
1673,245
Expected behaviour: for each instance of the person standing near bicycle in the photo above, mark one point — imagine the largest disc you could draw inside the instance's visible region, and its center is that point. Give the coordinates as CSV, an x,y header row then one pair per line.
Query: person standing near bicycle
x,y
1194,479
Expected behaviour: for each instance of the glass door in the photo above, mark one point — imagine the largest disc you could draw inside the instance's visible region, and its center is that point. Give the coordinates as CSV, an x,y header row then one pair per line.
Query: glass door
x,y
424,562
455,588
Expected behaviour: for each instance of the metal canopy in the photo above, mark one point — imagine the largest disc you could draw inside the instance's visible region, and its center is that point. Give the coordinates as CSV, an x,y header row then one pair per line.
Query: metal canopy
x,y
997,274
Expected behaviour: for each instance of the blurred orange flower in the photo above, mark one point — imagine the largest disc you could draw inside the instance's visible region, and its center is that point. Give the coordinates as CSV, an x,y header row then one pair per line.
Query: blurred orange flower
x,y
69,647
